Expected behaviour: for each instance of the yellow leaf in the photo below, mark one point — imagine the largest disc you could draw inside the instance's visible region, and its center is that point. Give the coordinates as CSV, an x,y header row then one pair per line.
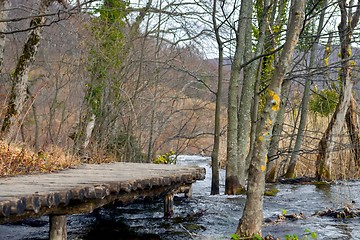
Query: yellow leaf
x,y
275,100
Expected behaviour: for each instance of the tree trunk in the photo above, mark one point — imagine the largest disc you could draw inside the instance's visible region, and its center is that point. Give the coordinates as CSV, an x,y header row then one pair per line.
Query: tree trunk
x,y
11,124
215,181
327,143
353,130
4,6
271,166
247,92
291,173
36,121
232,185
88,131
254,114
251,221
58,228
277,22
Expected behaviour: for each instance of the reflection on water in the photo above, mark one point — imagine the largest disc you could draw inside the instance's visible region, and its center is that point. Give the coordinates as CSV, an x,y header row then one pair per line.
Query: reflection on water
x,y
205,216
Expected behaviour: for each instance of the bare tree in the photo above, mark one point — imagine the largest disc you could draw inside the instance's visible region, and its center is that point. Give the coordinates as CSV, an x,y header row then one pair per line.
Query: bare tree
x,y
247,98
346,27
4,6
232,184
251,220
291,173
217,128
18,94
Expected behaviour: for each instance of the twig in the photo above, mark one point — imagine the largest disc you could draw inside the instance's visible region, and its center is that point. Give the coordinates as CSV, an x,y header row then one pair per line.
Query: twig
x,y
190,234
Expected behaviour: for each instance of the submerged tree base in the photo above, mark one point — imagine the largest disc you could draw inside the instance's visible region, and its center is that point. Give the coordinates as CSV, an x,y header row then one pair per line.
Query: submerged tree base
x,y
233,187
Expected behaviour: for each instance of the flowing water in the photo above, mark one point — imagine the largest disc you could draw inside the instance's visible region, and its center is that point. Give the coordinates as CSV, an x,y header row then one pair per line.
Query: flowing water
x,y
205,216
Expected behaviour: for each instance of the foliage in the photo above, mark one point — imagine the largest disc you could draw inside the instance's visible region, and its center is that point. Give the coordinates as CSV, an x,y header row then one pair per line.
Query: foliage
x,y
234,237
111,10
271,192
93,97
166,158
324,102
313,235
108,32
125,147
237,237
308,233
257,237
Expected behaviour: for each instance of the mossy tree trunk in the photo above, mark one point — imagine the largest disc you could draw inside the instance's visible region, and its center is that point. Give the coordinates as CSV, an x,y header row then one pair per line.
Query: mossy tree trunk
x,y
248,89
327,143
251,220
103,94
12,121
277,22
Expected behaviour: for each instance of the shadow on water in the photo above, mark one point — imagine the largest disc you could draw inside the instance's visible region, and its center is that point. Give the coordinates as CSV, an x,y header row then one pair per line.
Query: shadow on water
x,y
112,228
205,216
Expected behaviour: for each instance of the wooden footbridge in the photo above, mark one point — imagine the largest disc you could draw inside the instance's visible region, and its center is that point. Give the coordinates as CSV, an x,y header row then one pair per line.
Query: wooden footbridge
x,y
87,187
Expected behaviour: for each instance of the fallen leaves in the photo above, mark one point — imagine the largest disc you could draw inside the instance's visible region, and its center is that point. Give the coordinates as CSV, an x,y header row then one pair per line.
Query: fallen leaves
x,y
19,160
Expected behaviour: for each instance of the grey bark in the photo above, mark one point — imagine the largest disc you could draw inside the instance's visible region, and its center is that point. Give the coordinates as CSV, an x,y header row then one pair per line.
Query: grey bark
x,y
232,185
4,6
215,181
271,167
251,220
247,92
254,113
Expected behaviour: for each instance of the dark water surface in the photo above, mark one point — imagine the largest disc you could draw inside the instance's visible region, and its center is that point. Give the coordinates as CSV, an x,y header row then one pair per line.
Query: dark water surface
x,y
205,216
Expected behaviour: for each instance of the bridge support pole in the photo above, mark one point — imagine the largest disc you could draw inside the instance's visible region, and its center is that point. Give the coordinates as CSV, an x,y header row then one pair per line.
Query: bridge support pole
x,y
168,205
188,191
58,229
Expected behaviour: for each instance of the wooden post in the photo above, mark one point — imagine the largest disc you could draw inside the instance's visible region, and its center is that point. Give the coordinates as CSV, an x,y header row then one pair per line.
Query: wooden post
x,y
58,230
168,205
188,192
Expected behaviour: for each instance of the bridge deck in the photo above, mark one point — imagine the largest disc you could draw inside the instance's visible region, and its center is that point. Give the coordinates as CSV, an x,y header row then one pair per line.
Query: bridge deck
x,y
87,187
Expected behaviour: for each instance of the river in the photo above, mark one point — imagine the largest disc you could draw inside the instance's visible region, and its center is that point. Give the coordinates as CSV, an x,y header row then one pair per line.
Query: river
x,y
205,216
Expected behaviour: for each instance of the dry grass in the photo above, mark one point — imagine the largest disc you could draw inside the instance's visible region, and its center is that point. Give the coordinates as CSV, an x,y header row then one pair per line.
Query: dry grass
x,y
343,165
16,160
